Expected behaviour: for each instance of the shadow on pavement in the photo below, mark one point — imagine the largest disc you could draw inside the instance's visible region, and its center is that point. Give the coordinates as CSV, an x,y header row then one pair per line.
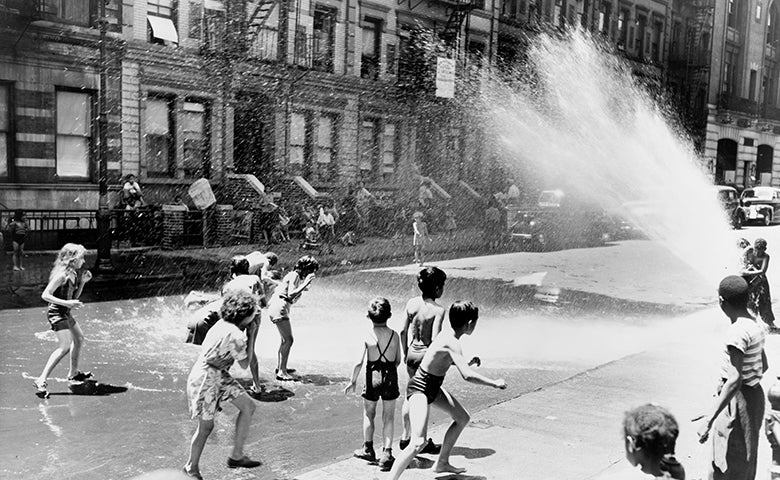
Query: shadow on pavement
x,y
461,477
92,389
471,453
278,394
322,380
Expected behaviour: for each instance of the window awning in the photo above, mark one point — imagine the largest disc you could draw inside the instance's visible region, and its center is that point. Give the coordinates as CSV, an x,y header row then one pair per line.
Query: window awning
x,y
163,28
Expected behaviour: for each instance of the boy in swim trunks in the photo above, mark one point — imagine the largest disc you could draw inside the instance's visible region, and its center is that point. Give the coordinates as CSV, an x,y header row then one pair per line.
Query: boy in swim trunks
x,y
425,388
382,352
424,316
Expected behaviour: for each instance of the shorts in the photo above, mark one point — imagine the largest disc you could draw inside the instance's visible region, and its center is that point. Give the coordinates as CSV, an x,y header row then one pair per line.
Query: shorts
x,y
280,319
381,382
60,320
18,238
425,383
415,355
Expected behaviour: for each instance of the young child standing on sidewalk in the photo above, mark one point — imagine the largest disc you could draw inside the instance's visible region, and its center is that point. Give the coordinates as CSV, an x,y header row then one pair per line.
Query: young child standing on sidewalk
x,y
739,408
288,292
66,282
425,388
650,436
209,383
425,317
420,229
382,353
17,229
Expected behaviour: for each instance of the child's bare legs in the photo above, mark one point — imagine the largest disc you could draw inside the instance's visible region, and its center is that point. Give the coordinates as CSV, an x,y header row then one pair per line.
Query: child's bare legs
x,y
369,413
418,418
64,339
388,420
246,408
418,254
460,418
406,429
196,445
251,351
285,331
75,348
18,254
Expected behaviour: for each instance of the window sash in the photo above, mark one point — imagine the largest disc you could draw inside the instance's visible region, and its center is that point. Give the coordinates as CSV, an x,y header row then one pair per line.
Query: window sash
x,y
325,132
158,158
161,8
74,114
72,156
324,155
4,108
3,154
297,129
157,117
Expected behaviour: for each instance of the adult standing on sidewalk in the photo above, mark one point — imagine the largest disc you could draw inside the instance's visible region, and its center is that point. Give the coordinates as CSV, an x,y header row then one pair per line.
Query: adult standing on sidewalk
x,y
739,408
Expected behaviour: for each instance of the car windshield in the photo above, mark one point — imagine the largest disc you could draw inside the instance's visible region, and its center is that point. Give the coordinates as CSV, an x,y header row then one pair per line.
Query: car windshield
x,y
757,194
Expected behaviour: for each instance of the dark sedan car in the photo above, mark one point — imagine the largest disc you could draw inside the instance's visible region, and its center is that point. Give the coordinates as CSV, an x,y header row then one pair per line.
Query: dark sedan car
x,y
762,204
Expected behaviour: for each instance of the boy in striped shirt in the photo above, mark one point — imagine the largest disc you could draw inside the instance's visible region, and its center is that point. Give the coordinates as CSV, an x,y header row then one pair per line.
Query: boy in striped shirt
x,y
739,408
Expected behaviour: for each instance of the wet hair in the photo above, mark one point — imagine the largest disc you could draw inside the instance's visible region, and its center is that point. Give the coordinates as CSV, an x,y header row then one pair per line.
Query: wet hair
x,y
760,243
237,305
306,265
653,428
18,215
430,279
733,290
272,258
66,259
461,313
239,265
379,310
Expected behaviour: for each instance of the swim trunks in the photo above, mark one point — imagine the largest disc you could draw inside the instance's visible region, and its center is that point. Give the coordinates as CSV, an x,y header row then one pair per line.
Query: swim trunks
x,y
18,238
415,355
381,378
425,383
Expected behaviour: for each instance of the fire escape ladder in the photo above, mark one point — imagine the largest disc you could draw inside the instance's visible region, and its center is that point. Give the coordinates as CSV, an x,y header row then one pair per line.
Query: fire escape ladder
x,y
452,28
259,17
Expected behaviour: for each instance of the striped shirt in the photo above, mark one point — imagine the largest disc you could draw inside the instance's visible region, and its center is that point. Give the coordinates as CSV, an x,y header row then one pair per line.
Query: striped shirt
x,y
747,336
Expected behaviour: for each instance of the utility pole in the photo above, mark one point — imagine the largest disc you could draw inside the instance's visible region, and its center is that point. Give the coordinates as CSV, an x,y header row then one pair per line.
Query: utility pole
x,y
103,263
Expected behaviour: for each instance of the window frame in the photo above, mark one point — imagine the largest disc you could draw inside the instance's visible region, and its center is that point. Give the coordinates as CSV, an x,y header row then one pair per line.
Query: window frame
x,y
173,17
205,166
9,133
92,138
170,100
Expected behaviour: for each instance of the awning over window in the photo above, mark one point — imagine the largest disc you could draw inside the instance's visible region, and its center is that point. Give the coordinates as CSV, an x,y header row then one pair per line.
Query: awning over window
x,y
163,28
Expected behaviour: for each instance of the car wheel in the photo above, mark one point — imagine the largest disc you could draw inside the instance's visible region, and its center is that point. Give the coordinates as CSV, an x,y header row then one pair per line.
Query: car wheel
x,y
767,219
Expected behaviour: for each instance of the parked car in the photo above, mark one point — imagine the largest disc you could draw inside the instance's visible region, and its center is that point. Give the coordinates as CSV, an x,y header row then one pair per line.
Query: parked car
x,y
762,204
732,205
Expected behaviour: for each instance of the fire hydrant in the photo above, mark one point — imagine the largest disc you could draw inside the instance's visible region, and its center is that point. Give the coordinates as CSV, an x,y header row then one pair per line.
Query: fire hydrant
x,y
773,428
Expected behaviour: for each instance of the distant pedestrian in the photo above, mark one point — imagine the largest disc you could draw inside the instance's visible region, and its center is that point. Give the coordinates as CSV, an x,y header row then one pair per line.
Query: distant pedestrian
x,y
760,298
17,230
450,226
423,319
66,281
492,225
382,355
425,388
210,384
420,238
738,411
132,196
288,292
650,434
326,226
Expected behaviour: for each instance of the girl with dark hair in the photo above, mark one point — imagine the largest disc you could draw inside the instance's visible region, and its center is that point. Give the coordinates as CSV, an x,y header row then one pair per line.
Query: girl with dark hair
x,y
288,292
755,274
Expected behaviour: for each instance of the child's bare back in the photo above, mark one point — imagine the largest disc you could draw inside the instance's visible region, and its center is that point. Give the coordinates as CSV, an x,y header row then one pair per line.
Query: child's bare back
x,y
425,317
386,337
442,354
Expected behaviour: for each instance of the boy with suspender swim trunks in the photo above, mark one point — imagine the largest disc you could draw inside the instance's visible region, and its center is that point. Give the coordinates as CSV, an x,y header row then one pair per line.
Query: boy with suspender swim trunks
x,y
381,382
424,389
424,316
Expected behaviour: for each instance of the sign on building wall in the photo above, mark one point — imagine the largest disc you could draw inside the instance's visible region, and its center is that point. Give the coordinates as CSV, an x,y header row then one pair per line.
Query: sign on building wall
x,y
445,77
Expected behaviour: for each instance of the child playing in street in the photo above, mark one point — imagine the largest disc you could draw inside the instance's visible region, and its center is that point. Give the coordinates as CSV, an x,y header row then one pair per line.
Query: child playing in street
x,y
209,383
755,274
650,435
382,353
738,411
450,226
17,229
420,229
425,388
425,317
66,282
288,292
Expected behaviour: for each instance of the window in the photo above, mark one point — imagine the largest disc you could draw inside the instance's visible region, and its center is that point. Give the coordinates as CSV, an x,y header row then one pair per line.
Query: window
x,y
324,147
5,129
732,13
324,39
160,146
639,41
752,86
68,11
388,150
196,142
758,12
74,134
196,20
585,11
161,15
622,26
297,138
301,50
605,11
391,60
655,51
728,72
369,150
372,35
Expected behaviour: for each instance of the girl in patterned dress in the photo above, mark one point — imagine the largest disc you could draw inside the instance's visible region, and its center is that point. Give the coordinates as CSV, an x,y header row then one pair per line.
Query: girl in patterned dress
x,y
210,383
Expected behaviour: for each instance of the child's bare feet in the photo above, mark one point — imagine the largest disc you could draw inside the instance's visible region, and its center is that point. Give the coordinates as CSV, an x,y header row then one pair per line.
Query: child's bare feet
x,y
442,467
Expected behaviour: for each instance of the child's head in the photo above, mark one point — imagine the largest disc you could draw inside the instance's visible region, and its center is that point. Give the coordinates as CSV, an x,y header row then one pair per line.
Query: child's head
x,y
743,243
418,216
463,316
760,244
18,215
70,256
733,296
379,310
239,265
237,306
650,433
272,258
306,265
430,281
